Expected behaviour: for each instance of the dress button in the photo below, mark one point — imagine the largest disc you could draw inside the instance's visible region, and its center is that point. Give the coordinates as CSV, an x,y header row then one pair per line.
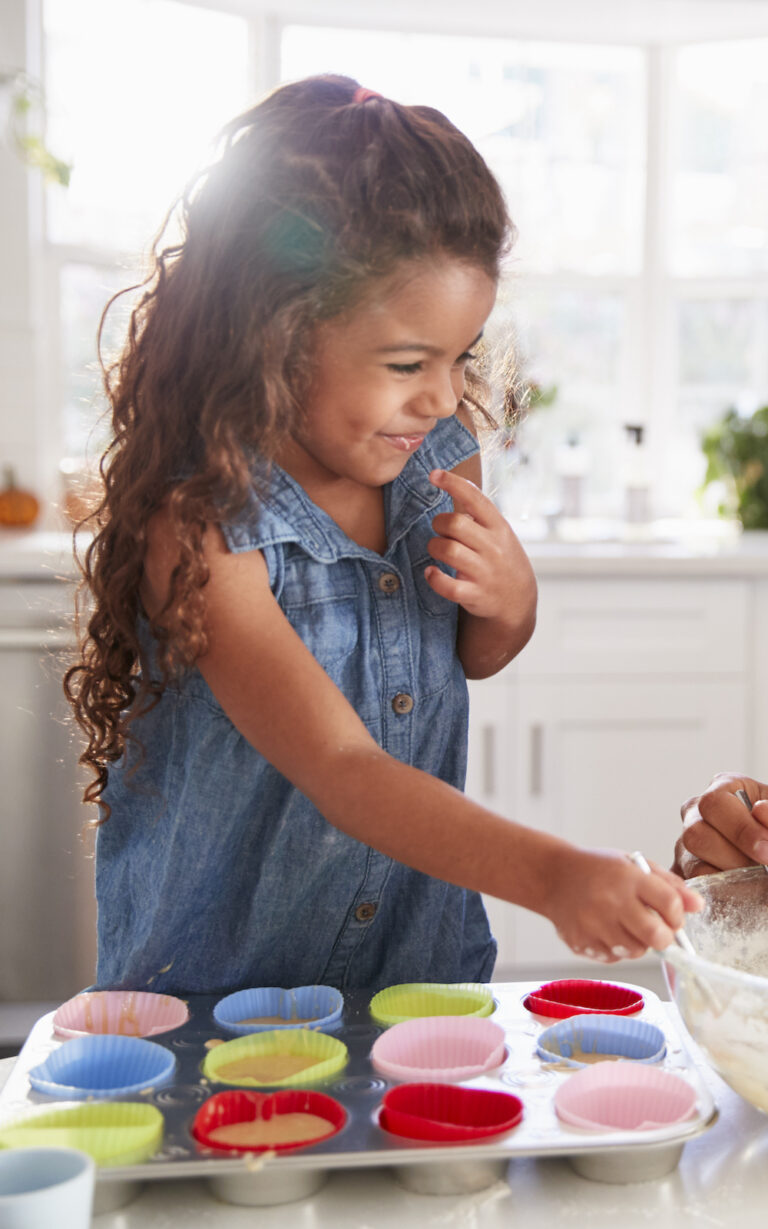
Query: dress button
x,y
389,583
402,703
364,913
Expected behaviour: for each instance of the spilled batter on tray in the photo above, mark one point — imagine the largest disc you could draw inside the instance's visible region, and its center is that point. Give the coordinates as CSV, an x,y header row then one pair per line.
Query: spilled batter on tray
x,y
279,1129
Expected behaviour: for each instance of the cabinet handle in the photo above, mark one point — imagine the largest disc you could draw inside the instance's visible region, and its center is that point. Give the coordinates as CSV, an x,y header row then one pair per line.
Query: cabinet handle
x,y
536,751
488,759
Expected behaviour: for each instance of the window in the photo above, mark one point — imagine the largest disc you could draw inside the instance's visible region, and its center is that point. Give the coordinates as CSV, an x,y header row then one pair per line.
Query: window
x,y
637,177
563,128
718,240
136,91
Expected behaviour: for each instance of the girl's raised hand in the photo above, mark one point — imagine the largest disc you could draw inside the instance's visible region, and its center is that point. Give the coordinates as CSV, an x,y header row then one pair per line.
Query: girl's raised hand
x,y
479,544
494,583
605,907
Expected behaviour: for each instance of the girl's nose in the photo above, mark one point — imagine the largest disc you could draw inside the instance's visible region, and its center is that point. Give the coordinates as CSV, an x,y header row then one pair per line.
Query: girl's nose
x,y
447,391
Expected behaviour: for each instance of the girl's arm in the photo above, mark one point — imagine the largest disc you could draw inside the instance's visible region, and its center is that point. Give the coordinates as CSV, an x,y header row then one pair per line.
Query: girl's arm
x,y
283,702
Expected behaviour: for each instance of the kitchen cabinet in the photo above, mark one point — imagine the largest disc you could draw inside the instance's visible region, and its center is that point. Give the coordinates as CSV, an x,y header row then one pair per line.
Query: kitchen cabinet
x,y
631,694
47,940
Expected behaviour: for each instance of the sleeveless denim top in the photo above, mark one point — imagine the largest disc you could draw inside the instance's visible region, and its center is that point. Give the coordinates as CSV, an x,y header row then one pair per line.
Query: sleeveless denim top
x,y
213,872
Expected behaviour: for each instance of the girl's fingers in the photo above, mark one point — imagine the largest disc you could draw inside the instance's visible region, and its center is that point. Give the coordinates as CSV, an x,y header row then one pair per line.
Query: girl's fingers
x,y
622,945
459,527
692,901
454,554
454,588
466,496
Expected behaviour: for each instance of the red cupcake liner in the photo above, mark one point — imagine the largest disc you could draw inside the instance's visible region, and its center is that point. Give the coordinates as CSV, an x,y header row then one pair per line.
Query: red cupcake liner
x,y
244,1105
445,1113
578,996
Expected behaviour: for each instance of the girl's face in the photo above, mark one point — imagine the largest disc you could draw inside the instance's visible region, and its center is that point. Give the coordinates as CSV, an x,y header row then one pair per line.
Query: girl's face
x,y
387,370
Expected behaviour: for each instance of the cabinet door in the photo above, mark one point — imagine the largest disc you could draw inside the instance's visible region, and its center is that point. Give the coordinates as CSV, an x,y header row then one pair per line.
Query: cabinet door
x,y
491,769
609,763
47,941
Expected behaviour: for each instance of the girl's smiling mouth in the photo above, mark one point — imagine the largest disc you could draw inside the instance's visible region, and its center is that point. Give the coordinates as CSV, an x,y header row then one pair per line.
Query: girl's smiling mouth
x,y
404,443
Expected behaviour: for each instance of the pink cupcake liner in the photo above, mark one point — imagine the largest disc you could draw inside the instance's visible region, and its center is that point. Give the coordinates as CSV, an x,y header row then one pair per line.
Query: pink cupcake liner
x,y
443,1048
625,1097
123,1013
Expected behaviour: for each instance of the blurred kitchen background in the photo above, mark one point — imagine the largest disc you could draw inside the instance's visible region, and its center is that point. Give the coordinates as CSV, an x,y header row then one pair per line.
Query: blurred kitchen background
x,y
632,143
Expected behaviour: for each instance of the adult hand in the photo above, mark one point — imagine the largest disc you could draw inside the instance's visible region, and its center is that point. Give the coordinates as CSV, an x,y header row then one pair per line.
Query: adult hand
x,y
719,833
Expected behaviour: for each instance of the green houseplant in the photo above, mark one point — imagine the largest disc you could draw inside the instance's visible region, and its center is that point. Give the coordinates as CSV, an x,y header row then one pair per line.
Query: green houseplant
x,y
22,104
736,449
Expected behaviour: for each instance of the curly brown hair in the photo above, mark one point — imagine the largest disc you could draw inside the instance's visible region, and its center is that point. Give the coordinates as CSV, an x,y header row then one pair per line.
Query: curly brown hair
x,y
312,196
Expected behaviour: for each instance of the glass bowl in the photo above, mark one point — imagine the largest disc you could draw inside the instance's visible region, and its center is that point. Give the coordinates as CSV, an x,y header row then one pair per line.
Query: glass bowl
x,y
722,991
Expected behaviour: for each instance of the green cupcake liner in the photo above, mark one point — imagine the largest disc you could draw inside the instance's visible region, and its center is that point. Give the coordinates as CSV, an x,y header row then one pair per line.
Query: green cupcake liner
x,y
413,999
329,1056
116,1133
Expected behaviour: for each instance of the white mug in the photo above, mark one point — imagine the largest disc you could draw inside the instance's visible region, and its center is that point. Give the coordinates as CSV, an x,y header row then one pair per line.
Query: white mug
x,y
45,1187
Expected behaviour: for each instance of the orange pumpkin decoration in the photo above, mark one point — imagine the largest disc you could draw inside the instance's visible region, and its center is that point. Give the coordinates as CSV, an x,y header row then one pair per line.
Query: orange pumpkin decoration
x,y
18,508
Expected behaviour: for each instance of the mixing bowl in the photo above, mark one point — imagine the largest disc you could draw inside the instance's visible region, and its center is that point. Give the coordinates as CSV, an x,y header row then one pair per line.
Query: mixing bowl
x,y
722,991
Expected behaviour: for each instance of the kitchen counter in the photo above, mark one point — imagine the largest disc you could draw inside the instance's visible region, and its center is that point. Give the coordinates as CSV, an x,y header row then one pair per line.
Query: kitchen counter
x,y
28,554
721,1180
37,555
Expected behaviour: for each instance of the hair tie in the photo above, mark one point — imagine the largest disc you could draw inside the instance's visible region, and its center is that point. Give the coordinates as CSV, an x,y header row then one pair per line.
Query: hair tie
x,y
362,95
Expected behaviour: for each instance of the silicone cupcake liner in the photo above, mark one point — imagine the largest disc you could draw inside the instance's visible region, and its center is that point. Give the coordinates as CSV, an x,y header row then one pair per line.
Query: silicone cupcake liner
x,y
624,1097
113,1133
610,1036
413,999
444,1113
102,1066
127,1013
442,1048
308,1007
328,1055
573,997
226,1108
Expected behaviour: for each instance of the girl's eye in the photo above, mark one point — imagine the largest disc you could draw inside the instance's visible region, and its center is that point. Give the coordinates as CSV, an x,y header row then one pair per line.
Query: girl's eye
x,y
466,357
405,369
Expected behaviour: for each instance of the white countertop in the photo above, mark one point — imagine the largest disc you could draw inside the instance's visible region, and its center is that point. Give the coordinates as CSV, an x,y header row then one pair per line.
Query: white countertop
x,y
29,555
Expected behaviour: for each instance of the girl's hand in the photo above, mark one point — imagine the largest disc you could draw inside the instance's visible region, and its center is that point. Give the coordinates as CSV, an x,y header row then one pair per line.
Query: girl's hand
x,y
719,833
608,909
493,574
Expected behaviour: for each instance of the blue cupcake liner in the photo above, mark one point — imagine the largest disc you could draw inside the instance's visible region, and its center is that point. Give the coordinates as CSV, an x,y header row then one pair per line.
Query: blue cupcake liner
x,y
102,1066
636,1040
308,1007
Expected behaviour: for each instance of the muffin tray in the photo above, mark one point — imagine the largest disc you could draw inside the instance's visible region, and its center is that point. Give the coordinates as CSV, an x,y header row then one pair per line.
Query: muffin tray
x,y
453,1168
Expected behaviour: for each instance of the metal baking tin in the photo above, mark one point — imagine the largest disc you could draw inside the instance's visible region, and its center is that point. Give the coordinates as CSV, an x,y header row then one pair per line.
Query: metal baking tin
x,y
259,1179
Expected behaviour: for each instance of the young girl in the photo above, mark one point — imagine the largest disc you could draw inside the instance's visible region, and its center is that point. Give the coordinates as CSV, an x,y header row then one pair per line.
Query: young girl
x,y
295,571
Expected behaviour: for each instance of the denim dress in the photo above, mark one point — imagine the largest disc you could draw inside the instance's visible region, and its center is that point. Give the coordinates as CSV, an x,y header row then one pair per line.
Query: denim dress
x,y
213,872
